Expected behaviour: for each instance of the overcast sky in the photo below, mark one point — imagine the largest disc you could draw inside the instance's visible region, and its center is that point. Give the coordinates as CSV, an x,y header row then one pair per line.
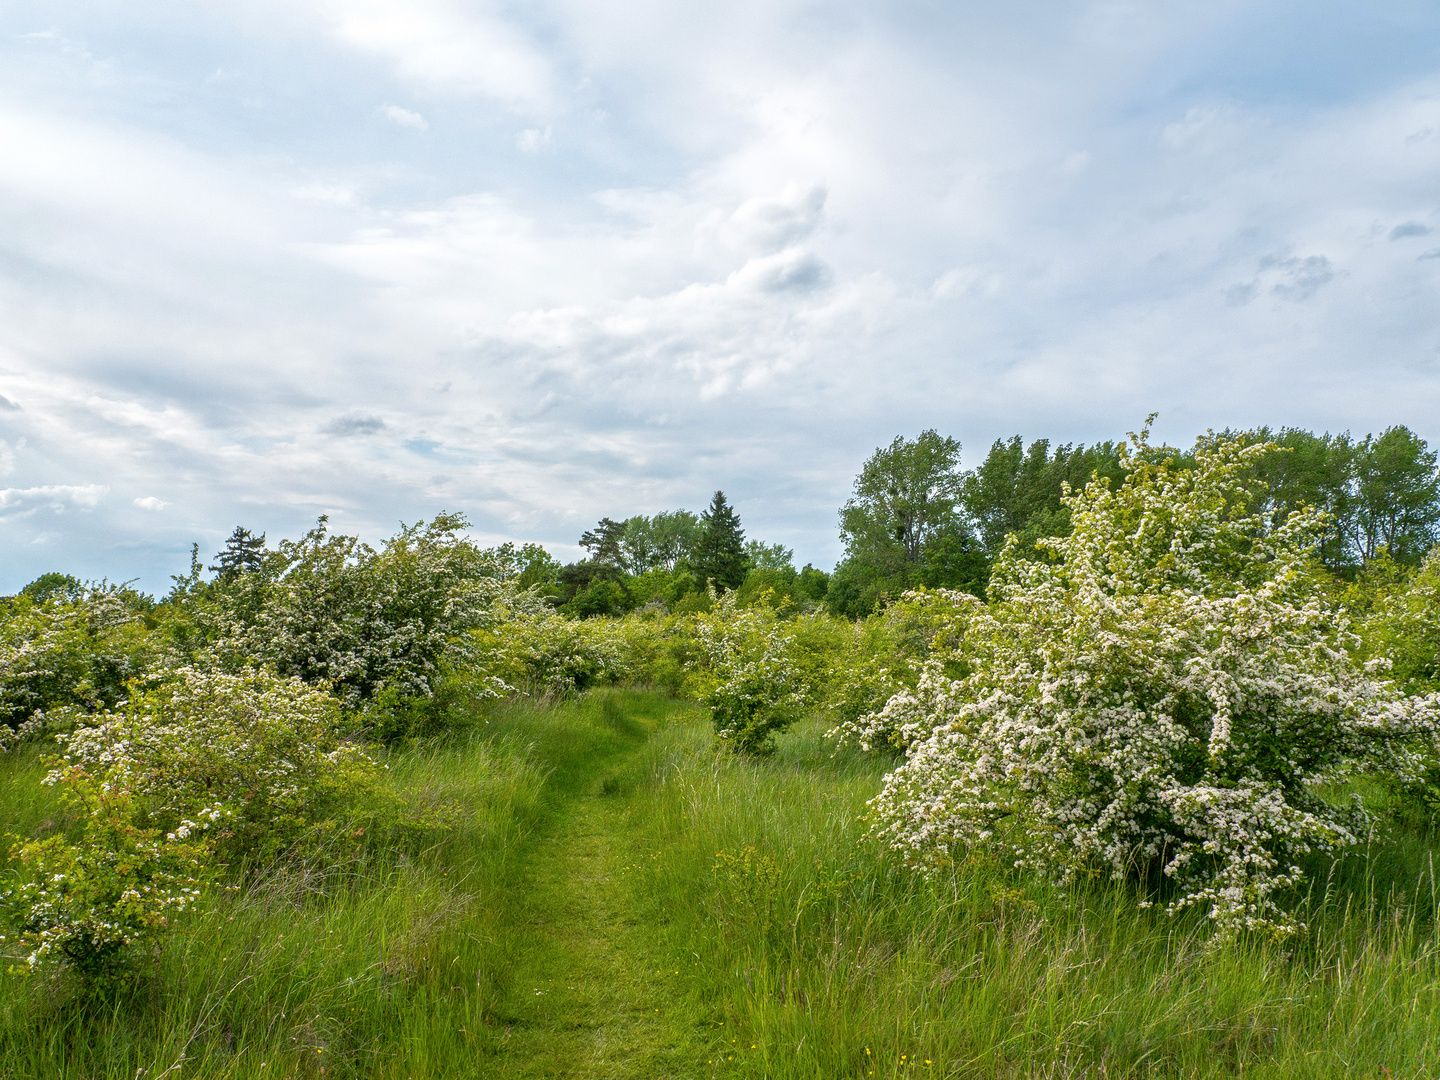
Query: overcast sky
x,y
549,261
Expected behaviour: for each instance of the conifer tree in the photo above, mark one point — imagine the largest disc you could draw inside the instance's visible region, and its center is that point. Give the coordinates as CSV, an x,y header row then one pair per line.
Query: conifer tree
x,y
720,555
243,553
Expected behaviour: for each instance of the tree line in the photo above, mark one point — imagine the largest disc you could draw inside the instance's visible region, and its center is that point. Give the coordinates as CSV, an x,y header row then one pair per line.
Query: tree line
x,y
916,517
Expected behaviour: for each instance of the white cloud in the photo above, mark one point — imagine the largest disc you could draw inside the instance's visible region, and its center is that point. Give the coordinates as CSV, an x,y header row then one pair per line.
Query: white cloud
x,y
762,247
441,48
532,140
150,502
22,502
406,118
338,194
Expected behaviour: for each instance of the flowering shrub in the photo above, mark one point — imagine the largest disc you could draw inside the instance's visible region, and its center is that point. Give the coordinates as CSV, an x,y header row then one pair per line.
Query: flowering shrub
x,y
263,753
1163,696
1402,632
750,682
546,654
71,651
1404,627
94,903
334,612
885,664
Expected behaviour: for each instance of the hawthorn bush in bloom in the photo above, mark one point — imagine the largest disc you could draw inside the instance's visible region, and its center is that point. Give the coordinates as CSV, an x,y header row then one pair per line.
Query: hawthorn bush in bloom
x,y
1404,627
539,652
260,756
332,611
1402,632
750,681
887,661
94,903
1164,695
64,653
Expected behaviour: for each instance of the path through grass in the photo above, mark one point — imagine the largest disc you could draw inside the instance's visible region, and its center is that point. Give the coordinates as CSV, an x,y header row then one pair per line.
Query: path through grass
x,y
588,994
619,900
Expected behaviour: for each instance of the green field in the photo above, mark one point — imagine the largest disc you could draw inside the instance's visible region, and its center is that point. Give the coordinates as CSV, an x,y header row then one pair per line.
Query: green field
x,y
619,899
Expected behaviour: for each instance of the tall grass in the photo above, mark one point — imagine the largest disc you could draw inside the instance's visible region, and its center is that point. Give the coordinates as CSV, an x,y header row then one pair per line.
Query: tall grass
x,y
389,961
814,956
757,932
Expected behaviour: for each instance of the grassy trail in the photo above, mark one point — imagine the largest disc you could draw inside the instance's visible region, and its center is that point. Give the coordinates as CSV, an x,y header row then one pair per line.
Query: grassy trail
x,y
618,900
586,994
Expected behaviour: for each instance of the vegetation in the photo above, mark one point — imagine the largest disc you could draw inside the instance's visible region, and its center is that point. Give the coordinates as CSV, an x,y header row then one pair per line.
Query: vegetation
x,y
1145,788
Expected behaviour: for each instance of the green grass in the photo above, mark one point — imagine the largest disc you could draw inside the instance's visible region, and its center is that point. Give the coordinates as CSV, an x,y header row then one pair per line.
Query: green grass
x,y
618,899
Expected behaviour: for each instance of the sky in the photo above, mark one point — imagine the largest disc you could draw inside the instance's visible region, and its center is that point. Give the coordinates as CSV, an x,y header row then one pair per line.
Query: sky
x,y
546,262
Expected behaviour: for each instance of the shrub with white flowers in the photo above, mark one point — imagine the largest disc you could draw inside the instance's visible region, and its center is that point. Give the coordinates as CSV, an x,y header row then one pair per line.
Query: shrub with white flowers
x,y
261,757
332,611
94,903
749,680
73,651
539,652
1402,632
1165,694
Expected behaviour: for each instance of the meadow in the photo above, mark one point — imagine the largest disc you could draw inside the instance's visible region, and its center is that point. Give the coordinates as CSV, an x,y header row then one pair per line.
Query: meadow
x,y
620,899
1161,804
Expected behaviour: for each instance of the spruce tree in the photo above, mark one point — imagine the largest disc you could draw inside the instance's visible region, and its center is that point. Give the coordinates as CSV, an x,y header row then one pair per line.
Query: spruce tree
x,y
243,553
720,554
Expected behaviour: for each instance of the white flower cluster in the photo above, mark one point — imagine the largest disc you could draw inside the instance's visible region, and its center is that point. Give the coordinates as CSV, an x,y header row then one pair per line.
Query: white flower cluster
x,y
1162,695
751,682
87,903
332,611
536,650
61,653
262,752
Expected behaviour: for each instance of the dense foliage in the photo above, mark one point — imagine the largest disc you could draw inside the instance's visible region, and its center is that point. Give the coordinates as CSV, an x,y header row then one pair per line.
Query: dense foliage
x,y
1165,694
1169,668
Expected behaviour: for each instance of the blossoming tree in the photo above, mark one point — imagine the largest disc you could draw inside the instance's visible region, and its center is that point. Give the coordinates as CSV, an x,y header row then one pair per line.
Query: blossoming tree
x,y
1164,694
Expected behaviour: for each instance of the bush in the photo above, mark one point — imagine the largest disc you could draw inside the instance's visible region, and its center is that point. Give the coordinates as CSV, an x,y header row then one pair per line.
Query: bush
x,y
539,652
1402,633
1404,627
1165,696
73,649
96,904
267,753
750,682
334,612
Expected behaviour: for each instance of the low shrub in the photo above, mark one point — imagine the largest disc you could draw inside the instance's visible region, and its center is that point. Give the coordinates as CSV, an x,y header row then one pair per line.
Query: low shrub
x,y
750,680
97,903
267,753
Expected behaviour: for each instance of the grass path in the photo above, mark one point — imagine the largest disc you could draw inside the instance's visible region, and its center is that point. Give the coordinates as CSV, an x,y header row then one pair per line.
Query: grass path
x,y
584,994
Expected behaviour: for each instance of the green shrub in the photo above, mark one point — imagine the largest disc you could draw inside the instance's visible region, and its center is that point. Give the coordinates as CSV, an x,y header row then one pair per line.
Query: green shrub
x,y
334,612
1165,695
97,903
68,650
265,752
545,654
750,680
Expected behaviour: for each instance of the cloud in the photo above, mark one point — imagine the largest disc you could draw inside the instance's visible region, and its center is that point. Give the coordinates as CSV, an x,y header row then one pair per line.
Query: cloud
x,y
1300,279
22,502
759,246
792,270
406,118
1292,278
532,140
8,405
150,502
355,425
439,48
768,224
1408,229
